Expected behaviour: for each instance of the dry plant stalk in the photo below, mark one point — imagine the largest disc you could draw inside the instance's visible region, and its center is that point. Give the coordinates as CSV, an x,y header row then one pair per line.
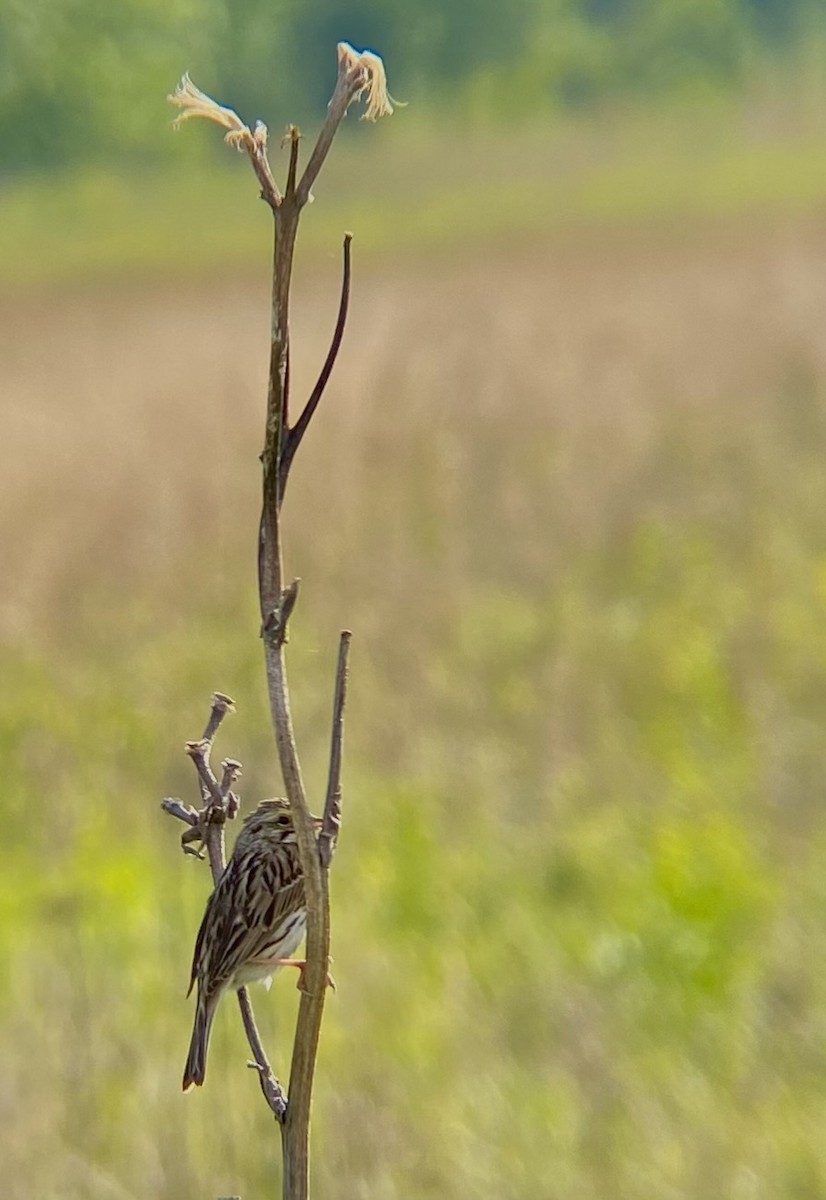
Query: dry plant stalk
x,y
360,76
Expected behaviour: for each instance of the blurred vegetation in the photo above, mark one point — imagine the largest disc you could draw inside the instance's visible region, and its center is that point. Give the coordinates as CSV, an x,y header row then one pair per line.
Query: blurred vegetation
x,y
579,903
567,489
647,171
557,112
84,82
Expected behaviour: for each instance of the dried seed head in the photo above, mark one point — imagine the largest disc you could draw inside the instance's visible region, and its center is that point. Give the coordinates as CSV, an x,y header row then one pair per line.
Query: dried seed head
x,y
194,103
377,100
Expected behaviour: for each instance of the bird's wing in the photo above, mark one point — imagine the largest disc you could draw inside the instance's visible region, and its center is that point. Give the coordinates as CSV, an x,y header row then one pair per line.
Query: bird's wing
x,y
242,918
207,921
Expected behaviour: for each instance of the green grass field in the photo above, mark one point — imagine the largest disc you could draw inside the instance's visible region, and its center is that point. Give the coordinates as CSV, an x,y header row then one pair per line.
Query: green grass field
x,y
405,189
567,489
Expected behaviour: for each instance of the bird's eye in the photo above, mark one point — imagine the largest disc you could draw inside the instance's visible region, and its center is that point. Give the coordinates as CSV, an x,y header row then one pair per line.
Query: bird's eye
x,y
283,819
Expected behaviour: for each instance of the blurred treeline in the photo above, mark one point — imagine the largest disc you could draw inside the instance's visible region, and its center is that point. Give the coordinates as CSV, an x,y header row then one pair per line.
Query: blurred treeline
x,y
74,77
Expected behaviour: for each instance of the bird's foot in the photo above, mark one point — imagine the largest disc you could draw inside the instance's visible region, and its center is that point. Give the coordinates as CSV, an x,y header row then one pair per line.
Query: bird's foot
x,y
301,964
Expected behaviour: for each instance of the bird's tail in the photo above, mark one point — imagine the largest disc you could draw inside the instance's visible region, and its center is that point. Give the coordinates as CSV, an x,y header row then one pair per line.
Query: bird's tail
x,y
195,1069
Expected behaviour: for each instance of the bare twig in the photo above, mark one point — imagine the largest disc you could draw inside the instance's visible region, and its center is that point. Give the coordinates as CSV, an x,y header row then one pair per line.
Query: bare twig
x,y
293,136
350,83
331,823
221,706
360,73
272,1089
231,769
292,437
274,628
182,811
206,825
200,751
260,164
210,788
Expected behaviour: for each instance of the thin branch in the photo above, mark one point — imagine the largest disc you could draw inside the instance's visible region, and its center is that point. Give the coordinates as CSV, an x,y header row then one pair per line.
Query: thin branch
x,y
183,812
349,84
360,75
221,706
231,770
210,788
331,824
286,226
260,164
213,815
291,439
274,628
269,561
293,136
271,1088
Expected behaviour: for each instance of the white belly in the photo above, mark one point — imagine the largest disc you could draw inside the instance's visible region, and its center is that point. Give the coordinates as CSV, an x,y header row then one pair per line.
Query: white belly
x,y
284,943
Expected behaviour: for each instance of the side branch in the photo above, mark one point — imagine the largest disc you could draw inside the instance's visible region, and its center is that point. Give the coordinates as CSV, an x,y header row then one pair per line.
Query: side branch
x,y
331,824
221,706
351,81
291,439
360,74
270,1087
293,136
274,627
256,148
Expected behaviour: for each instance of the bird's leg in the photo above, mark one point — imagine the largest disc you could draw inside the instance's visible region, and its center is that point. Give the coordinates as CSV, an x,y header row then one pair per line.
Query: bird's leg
x,y
300,963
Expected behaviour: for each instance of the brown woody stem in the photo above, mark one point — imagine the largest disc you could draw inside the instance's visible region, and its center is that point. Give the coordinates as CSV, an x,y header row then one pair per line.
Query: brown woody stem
x,y
292,438
331,823
295,1130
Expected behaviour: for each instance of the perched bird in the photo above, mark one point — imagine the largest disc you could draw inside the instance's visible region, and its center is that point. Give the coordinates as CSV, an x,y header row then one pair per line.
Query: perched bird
x,y
254,920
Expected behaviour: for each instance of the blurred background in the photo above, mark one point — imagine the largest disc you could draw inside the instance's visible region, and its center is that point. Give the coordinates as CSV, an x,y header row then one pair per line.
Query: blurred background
x,y
567,488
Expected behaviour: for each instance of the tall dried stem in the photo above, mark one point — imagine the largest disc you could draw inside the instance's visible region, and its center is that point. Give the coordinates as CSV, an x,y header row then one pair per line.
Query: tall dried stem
x,y
360,75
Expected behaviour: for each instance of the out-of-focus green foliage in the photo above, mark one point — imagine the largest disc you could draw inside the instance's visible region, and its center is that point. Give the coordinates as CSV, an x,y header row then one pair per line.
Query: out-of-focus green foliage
x,y
579,900
85,80
102,223
602,942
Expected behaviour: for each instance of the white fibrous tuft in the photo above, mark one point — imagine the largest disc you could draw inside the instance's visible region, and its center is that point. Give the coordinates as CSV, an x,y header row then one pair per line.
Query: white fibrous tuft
x,y
377,100
194,103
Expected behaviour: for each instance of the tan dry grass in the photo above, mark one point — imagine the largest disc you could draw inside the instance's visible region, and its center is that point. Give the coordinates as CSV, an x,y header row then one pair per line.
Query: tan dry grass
x,y
600,740
131,419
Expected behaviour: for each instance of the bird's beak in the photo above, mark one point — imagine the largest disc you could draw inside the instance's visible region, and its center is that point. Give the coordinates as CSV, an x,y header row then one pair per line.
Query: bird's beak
x,y
317,823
